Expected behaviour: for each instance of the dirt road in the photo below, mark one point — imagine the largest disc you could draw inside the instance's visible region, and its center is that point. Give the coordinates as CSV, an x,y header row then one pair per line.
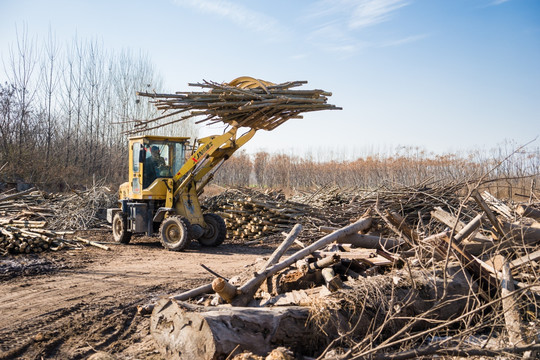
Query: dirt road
x,y
73,304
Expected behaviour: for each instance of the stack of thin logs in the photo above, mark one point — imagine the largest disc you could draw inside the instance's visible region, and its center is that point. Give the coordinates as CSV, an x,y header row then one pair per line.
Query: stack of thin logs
x,y
21,236
256,216
499,278
264,107
253,219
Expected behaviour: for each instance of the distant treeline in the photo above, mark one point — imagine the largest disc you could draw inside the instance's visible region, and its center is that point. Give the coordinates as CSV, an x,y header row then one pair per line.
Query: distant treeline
x,y
517,171
64,107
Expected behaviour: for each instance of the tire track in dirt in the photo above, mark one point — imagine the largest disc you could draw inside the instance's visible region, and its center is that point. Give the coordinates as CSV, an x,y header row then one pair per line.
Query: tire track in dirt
x,y
89,302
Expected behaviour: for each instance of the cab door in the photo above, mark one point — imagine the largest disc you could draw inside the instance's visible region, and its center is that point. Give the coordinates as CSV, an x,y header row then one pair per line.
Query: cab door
x,y
136,168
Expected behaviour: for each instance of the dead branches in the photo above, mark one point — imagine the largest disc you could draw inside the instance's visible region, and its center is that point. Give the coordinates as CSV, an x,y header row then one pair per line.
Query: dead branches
x,y
262,107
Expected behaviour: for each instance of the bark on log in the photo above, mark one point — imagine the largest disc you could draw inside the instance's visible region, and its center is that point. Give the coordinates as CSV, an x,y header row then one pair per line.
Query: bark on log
x,y
521,233
183,331
509,304
528,211
370,241
286,244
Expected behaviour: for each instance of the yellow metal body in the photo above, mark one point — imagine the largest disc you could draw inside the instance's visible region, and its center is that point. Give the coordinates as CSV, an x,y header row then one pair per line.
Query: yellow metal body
x,y
180,190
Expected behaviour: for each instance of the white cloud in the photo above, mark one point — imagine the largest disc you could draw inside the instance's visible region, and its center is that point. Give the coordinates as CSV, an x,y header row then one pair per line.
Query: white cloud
x,y
499,2
338,22
238,14
357,13
405,40
370,12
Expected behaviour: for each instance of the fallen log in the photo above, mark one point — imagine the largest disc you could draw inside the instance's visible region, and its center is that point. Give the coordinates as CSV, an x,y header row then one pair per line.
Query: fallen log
x,y
524,260
184,331
509,302
93,243
278,253
370,241
19,194
482,203
527,211
522,234
333,282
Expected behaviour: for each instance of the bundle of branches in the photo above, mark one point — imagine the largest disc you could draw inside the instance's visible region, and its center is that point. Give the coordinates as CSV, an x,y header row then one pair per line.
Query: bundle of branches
x,y
80,210
249,103
77,211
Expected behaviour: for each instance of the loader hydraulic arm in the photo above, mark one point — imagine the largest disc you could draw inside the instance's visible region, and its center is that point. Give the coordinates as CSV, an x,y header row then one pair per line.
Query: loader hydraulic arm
x,y
211,153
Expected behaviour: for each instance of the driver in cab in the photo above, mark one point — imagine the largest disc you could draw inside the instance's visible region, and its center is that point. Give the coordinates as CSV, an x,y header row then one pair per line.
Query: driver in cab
x,y
154,167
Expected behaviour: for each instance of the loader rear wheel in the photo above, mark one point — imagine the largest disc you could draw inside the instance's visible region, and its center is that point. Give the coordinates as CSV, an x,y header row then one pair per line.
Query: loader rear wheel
x,y
215,232
119,228
174,233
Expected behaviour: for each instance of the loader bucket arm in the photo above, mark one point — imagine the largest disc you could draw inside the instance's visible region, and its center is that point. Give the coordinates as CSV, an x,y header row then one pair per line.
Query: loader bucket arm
x,y
212,151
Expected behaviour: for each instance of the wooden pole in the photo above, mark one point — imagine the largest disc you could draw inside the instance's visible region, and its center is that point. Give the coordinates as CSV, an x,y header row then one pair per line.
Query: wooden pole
x,y
250,287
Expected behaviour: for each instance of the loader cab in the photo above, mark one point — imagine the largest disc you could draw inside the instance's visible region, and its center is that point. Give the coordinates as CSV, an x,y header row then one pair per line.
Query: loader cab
x,y
151,160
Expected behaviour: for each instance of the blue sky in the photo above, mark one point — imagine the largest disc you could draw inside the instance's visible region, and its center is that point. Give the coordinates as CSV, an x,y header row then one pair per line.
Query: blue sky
x,y
442,75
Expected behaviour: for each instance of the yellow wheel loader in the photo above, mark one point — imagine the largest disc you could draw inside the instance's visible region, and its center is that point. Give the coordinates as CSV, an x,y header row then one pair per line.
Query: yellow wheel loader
x,y
162,194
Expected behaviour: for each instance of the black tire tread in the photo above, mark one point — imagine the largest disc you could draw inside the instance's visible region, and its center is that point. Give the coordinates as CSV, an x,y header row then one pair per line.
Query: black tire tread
x,y
220,230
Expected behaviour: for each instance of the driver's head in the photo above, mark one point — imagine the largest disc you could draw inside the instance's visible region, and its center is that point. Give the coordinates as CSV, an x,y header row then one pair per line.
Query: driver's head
x,y
155,151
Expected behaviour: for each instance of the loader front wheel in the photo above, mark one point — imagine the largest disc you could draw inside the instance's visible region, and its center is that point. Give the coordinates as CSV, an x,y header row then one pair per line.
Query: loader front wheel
x,y
174,233
119,228
215,231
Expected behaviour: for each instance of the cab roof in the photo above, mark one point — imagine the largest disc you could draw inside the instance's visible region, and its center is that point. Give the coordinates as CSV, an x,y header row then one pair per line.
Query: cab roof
x,y
160,138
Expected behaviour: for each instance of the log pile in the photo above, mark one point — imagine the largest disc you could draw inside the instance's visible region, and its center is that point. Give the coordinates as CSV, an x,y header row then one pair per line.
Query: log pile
x,y
251,215
244,102
386,286
25,237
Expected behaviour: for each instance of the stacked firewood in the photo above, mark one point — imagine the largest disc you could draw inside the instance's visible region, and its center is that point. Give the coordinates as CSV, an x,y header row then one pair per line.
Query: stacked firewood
x,y
251,215
252,219
17,236
262,105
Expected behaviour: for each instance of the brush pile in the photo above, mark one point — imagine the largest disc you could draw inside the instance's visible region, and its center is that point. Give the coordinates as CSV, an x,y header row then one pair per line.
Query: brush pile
x,y
33,221
244,102
424,272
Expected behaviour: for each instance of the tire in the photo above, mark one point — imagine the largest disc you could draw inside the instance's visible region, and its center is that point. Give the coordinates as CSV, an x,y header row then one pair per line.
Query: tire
x,y
215,232
174,232
119,228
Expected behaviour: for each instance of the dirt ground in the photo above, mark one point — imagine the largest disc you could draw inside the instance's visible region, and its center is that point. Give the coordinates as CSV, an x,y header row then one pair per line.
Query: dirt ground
x,y
76,304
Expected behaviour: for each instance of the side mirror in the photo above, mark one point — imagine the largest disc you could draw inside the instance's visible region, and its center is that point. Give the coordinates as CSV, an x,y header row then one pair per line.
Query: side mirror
x,y
142,155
